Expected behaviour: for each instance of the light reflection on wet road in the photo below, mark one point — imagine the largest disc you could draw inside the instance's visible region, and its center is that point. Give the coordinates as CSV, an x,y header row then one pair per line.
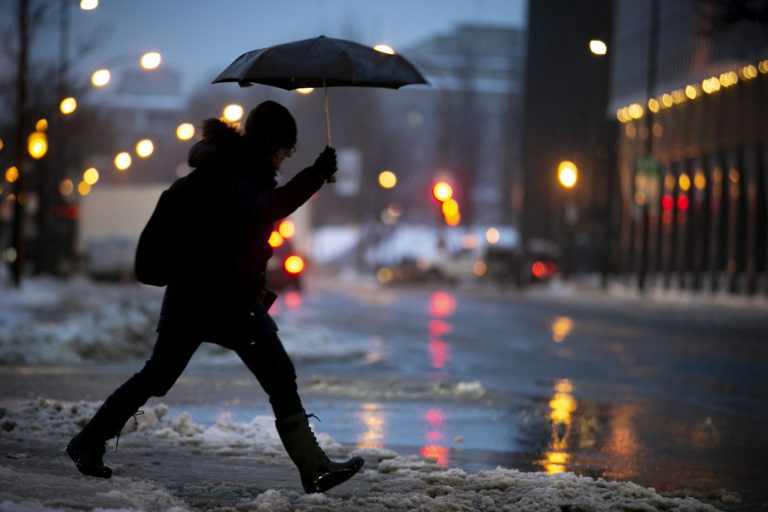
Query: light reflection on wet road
x,y
672,398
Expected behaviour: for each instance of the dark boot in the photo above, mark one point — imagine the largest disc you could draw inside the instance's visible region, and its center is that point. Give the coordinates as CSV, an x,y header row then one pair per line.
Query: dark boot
x,y
86,449
318,473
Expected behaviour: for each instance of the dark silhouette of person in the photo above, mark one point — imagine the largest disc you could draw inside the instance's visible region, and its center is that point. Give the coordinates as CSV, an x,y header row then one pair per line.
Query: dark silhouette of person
x,y
230,203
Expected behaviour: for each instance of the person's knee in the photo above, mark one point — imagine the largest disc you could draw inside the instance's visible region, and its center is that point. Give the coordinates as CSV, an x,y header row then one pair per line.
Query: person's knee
x,y
155,381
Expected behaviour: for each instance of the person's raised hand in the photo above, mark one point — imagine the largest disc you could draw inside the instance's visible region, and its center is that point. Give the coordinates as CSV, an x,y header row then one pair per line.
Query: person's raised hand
x,y
326,163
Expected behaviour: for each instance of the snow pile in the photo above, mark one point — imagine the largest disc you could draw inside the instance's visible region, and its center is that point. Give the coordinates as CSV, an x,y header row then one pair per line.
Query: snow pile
x,y
394,389
52,321
67,322
389,482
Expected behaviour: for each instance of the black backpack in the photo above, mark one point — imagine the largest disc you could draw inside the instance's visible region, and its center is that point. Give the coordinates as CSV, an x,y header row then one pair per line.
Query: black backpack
x,y
162,242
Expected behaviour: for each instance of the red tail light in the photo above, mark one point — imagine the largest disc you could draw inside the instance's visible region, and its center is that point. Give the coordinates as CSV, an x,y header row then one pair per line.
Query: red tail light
x,y
538,269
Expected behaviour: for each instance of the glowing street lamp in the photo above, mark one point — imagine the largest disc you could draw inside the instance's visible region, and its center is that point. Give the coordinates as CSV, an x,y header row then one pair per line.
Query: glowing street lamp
x,y
144,148
151,60
122,161
68,105
37,145
567,174
185,131
91,176
598,47
233,113
101,77
387,179
89,5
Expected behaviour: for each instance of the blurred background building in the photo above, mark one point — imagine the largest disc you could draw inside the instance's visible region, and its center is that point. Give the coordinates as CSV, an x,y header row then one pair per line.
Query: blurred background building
x,y
689,89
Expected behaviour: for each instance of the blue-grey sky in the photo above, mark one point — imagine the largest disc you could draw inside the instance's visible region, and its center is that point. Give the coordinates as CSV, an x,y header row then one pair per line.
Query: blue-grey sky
x,y
200,38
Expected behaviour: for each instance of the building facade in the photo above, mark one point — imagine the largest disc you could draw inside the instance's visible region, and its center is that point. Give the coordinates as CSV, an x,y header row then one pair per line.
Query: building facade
x,y
688,88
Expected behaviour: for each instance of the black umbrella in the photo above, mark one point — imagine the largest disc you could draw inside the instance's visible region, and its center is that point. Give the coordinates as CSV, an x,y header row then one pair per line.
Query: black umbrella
x,y
321,62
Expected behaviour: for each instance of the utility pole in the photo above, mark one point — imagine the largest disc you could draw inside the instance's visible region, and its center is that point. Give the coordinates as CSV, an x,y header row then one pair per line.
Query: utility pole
x,y
17,265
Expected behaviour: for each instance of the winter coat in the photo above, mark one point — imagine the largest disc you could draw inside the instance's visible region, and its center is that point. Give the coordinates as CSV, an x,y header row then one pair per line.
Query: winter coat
x,y
232,203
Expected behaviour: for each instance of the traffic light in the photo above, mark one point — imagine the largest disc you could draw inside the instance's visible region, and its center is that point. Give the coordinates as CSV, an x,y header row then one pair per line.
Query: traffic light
x,y
442,191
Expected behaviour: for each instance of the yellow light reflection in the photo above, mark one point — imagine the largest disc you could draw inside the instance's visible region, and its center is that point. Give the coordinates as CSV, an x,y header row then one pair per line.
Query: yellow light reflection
x,y
562,405
41,125
372,418
684,181
89,5
305,90
561,328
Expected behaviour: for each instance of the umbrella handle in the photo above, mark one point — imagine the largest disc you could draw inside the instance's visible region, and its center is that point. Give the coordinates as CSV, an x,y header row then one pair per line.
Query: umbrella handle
x,y
331,179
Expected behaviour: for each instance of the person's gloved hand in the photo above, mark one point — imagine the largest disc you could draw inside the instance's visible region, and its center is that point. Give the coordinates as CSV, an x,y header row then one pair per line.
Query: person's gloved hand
x,y
325,165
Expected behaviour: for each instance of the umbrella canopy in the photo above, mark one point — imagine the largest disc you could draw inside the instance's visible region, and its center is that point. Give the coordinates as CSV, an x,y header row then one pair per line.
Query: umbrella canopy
x,y
321,62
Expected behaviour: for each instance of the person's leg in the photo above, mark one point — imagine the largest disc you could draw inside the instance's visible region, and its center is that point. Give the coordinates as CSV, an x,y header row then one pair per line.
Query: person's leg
x,y
267,359
170,356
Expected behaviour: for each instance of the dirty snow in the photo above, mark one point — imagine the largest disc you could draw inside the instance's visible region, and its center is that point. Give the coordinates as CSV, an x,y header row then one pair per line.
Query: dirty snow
x,y
390,482
50,321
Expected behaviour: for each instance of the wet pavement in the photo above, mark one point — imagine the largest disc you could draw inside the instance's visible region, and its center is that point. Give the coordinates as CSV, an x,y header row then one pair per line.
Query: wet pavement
x,y
671,396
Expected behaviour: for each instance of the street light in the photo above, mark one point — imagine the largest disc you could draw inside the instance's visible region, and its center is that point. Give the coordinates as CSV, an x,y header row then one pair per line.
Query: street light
x,y
151,60
387,179
233,113
144,148
567,174
37,145
185,131
122,161
89,5
101,77
598,47
68,105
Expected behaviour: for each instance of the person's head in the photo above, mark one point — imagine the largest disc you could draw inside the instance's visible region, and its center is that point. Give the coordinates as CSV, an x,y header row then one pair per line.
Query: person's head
x,y
271,130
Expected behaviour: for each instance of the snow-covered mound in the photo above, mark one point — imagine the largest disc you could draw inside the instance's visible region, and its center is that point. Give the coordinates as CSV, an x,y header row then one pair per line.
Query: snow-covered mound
x,y
389,483
51,321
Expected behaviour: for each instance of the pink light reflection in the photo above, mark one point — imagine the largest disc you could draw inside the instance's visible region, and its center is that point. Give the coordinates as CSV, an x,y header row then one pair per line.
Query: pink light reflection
x,y
442,304
439,353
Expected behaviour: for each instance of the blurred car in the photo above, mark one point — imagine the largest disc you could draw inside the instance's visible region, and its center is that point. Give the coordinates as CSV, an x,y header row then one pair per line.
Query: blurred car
x,y
286,267
538,262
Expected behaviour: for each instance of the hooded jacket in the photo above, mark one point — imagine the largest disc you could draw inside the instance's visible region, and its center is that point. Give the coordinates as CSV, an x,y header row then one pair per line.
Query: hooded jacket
x,y
231,202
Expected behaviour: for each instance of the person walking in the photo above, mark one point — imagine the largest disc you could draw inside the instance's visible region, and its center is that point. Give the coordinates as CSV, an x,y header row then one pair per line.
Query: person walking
x,y
217,292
